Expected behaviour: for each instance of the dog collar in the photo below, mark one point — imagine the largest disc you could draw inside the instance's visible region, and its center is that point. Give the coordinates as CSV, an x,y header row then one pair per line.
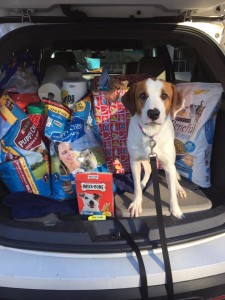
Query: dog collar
x,y
152,141
144,133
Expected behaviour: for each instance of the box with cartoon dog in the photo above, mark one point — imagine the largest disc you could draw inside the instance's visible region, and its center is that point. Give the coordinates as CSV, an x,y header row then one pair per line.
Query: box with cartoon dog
x,y
95,193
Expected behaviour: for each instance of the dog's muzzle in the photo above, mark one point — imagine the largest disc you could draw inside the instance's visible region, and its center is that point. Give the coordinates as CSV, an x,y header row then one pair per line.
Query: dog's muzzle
x,y
91,204
153,114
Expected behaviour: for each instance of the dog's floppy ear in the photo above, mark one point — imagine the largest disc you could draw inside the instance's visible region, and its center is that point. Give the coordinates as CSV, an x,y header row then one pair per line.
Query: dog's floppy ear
x,y
128,99
97,196
177,102
82,195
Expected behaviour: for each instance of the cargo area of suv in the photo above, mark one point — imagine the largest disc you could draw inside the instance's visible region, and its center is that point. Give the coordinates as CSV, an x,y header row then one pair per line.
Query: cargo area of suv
x,y
125,47
204,206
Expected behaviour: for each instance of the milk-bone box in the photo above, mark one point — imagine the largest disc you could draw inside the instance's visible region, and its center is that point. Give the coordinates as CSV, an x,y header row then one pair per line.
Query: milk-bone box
x,y
95,193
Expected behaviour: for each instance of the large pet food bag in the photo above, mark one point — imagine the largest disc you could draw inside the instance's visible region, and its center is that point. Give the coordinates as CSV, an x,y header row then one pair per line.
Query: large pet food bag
x,y
75,145
194,129
24,160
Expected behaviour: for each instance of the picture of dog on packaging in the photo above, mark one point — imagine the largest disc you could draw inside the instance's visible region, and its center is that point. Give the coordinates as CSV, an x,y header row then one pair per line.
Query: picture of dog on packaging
x,y
91,203
87,160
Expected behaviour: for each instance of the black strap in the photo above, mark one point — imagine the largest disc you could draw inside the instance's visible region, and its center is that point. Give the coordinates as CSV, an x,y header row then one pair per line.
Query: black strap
x,y
143,278
162,235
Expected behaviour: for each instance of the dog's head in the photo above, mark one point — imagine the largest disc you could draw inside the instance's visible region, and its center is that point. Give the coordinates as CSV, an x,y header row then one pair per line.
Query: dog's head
x,y
90,200
153,99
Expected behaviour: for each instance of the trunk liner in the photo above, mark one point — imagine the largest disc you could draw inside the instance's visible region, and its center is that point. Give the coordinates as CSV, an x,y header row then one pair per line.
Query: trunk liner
x,y
196,200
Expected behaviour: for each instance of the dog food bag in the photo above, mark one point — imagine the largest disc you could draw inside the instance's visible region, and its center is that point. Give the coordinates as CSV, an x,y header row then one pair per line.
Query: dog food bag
x,y
95,194
24,160
194,129
75,145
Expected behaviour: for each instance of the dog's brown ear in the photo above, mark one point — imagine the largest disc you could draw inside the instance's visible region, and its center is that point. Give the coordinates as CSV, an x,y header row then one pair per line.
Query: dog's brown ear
x,y
128,99
97,196
177,102
82,195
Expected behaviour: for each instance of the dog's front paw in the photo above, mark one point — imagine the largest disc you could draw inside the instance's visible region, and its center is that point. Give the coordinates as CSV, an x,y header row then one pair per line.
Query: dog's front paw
x,y
177,213
181,192
135,209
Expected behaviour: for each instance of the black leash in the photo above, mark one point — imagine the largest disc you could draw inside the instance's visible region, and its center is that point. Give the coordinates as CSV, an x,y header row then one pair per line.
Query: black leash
x,y
162,235
143,277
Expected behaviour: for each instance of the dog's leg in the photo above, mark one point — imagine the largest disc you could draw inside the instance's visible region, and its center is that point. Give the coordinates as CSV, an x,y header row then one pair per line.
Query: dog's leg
x,y
147,169
180,191
135,207
171,176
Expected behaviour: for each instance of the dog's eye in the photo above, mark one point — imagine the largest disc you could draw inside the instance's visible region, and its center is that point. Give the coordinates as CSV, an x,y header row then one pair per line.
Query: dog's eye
x,y
143,96
164,96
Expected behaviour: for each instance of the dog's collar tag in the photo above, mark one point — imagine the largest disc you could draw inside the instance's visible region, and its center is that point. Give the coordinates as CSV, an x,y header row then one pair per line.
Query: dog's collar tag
x,y
152,141
152,145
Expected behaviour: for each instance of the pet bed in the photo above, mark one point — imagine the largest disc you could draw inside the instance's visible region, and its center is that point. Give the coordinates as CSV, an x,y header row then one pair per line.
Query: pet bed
x,y
195,201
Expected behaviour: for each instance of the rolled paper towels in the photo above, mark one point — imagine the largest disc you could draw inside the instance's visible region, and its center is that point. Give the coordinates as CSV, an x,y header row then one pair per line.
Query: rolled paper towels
x,y
73,90
52,83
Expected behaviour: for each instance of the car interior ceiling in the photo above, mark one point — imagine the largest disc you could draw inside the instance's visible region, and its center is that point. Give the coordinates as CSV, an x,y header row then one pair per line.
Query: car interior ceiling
x,y
201,72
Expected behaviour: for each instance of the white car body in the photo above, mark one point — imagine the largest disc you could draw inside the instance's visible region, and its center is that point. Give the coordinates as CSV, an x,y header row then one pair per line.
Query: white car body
x,y
54,271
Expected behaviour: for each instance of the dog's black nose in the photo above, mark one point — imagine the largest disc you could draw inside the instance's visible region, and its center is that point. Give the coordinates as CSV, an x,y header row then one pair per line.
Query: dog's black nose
x,y
153,114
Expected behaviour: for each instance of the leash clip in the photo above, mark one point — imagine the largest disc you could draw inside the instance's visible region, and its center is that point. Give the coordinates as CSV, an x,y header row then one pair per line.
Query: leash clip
x,y
152,146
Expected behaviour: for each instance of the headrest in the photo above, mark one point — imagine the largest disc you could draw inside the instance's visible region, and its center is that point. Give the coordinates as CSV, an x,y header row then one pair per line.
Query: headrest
x,y
155,66
67,57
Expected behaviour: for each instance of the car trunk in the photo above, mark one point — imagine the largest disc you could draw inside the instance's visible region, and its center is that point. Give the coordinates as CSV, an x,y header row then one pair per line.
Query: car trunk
x,y
204,208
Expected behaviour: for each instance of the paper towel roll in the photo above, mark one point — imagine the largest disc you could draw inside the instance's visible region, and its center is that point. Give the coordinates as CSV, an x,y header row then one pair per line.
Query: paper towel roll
x,y
52,83
73,90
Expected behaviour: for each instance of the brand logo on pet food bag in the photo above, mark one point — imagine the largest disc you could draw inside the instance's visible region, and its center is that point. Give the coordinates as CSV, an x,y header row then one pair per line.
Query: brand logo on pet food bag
x,y
182,128
9,104
80,106
28,137
93,186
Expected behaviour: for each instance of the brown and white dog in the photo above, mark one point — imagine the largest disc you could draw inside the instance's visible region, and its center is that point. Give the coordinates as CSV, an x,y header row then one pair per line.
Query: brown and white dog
x,y
151,102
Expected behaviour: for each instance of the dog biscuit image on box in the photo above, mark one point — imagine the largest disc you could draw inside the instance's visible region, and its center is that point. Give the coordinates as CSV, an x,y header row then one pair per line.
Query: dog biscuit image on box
x,y
95,194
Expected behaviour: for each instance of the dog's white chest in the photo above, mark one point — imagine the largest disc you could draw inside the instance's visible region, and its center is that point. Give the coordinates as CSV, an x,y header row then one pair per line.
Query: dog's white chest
x,y
139,142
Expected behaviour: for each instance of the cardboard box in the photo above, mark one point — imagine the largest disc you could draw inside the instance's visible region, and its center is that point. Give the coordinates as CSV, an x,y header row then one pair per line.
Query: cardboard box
x,y
95,193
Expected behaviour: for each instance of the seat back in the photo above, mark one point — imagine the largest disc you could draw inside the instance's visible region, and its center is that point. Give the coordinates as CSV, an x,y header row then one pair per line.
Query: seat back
x,y
155,66
63,58
131,67
67,57
158,66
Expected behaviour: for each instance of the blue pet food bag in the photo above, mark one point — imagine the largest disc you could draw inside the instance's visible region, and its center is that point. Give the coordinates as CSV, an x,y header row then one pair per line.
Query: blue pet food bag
x,y
75,145
24,160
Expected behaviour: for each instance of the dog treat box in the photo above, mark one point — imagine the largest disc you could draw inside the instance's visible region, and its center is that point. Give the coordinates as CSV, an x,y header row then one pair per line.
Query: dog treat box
x,y
95,193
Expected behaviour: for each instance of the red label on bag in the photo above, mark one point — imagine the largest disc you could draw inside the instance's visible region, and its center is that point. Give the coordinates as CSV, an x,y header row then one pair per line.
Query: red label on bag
x,y
28,137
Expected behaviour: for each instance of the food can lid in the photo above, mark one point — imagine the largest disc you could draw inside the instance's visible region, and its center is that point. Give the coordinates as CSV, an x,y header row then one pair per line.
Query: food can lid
x,y
35,108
